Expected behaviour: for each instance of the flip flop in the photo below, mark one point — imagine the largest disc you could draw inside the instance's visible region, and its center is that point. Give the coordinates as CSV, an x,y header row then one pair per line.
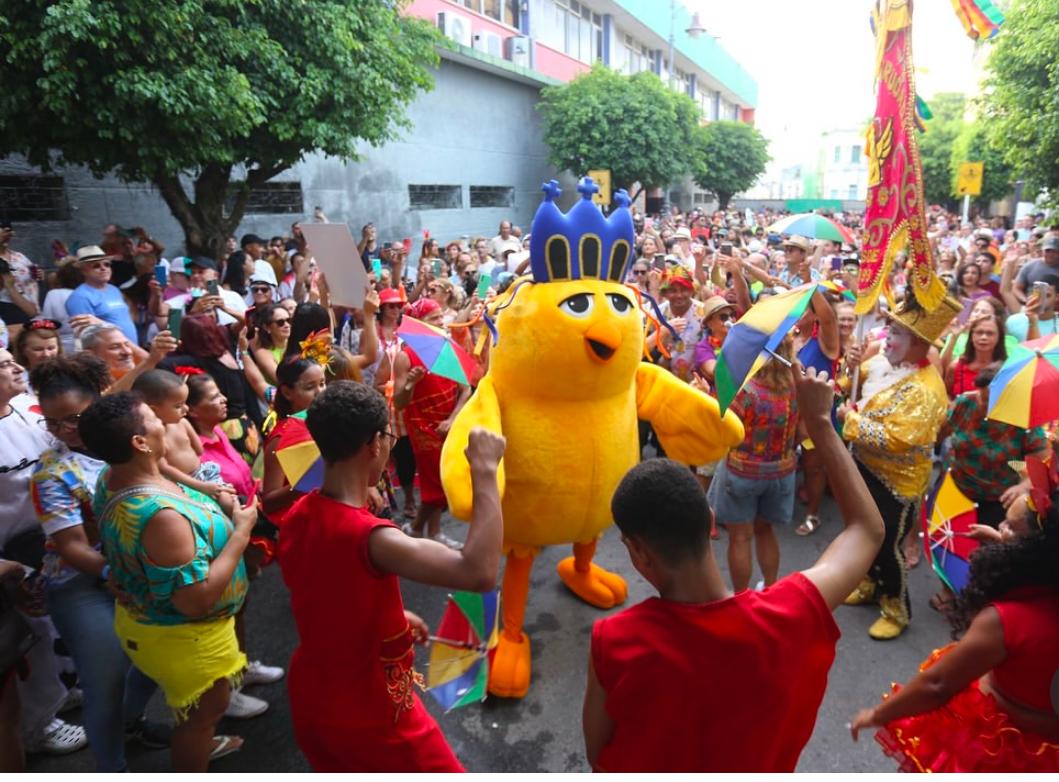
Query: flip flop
x,y
226,745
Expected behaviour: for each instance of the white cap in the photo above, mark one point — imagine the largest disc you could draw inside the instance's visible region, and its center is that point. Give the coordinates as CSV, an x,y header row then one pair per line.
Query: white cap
x,y
755,246
263,272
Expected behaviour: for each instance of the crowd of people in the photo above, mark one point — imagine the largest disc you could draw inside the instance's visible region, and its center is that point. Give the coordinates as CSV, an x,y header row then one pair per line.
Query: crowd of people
x,y
144,400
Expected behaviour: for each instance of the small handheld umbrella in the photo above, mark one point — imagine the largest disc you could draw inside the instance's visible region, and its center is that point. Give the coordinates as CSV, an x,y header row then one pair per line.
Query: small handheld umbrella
x,y
437,351
755,337
458,670
1025,392
812,226
947,518
299,457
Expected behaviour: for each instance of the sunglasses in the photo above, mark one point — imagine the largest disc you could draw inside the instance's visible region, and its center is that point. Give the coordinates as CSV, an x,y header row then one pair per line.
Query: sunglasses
x,y
639,271
281,321
260,289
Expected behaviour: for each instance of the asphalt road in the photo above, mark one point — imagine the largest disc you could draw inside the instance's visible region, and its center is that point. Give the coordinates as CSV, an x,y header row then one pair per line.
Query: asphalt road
x,y
542,732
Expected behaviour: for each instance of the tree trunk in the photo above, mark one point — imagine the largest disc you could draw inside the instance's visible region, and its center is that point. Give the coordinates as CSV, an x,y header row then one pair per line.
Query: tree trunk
x,y
206,226
723,199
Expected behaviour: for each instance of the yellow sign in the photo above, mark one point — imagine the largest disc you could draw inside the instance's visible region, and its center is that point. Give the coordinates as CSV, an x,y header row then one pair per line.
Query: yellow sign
x,y
602,178
969,179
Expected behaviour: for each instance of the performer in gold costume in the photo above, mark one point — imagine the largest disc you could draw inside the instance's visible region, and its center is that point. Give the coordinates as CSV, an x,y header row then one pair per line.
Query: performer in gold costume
x,y
893,429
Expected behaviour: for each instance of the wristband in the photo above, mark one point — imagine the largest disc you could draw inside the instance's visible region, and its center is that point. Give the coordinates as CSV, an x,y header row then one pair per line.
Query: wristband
x,y
104,574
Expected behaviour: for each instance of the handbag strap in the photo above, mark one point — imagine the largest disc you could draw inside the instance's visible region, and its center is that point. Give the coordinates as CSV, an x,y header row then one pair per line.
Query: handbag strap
x,y
148,491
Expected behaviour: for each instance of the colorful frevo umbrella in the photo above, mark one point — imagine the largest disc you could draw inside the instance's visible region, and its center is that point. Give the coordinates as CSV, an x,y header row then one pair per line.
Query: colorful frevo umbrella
x,y
812,226
755,337
440,354
299,457
458,671
947,517
834,286
1025,392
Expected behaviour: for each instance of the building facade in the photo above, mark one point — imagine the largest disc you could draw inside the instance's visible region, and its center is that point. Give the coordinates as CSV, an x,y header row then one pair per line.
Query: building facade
x,y
474,153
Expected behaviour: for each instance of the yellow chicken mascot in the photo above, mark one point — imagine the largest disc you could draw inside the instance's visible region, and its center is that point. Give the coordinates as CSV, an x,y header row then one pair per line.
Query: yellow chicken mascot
x,y
565,386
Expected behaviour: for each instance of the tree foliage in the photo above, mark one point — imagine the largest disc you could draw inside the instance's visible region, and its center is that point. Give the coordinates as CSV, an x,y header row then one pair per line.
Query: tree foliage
x,y
728,157
1021,98
632,125
973,145
227,92
935,146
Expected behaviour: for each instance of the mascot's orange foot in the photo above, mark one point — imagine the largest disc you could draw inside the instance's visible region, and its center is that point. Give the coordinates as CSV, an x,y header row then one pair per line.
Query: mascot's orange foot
x,y
597,587
509,676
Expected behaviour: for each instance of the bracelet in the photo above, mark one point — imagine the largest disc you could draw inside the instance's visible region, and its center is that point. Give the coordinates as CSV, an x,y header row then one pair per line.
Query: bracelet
x,y
104,574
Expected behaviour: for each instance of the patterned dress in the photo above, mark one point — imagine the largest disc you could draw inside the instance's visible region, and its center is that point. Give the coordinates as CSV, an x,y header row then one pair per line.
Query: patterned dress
x,y
433,400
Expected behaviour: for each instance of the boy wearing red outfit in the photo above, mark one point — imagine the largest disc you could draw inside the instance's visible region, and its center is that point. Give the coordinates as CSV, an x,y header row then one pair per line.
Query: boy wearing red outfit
x,y
699,679
352,681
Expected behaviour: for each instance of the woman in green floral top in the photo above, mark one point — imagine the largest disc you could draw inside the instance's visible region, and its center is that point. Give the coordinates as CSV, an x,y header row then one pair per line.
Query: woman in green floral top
x,y
179,560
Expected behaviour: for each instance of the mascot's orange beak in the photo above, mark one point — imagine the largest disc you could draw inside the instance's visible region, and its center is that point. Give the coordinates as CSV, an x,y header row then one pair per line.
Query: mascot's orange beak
x,y
603,340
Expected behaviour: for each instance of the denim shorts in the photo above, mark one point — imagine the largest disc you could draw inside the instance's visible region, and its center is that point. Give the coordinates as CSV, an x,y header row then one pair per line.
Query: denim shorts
x,y
738,500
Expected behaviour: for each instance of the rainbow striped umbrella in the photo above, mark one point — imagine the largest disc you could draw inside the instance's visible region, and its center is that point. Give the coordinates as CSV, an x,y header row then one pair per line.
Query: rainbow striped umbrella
x,y
437,351
812,226
980,18
458,672
755,337
1025,392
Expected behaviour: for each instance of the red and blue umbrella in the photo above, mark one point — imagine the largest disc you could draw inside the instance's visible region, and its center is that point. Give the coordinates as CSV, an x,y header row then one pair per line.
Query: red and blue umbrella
x,y
947,518
458,671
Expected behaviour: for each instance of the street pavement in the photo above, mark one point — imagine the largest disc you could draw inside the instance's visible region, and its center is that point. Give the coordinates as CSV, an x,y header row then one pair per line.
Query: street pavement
x,y
542,732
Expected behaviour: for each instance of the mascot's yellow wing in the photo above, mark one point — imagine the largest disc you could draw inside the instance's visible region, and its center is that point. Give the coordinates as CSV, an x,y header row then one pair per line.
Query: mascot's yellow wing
x,y
688,422
482,409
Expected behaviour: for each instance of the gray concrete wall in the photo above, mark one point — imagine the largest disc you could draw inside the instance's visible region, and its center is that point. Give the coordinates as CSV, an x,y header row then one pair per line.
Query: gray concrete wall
x,y
474,128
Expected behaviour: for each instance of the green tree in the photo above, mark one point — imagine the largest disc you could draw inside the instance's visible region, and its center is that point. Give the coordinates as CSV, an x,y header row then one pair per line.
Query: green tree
x,y
221,95
1021,99
632,125
728,157
935,146
973,145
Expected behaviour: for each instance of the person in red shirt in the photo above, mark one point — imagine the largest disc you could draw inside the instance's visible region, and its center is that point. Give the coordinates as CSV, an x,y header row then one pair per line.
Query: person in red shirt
x,y
352,682
699,679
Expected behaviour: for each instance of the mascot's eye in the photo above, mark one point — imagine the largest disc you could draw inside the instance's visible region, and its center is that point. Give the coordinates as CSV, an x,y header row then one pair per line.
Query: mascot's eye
x,y
619,303
579,305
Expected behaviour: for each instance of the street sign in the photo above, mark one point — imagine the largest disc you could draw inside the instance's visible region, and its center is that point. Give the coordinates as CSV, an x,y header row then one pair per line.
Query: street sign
x,y
602,178
969,179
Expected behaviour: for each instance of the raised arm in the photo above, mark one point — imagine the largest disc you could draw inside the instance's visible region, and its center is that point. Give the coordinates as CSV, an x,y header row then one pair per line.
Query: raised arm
x,y
845,562
473,568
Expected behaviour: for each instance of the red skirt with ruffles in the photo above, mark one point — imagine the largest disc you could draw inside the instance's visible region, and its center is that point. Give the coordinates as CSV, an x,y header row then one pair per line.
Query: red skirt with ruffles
x,y
970,733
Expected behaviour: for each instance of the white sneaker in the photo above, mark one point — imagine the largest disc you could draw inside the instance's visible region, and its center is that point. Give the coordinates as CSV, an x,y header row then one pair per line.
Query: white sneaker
x,y
760,586
445,540
259,673
59,738
243,706
75,698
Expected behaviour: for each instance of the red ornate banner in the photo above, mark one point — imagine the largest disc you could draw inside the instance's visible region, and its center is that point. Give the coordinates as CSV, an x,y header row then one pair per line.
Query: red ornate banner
x,y
894,218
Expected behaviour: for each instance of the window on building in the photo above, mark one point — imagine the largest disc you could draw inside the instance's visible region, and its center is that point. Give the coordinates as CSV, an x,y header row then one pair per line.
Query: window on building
x,y
272,198
435,197
33,199
492,196
852,194
838,154
582,30
505,11
854,154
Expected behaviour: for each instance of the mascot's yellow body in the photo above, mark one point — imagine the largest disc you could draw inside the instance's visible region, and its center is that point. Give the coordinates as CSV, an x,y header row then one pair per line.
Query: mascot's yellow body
x,y
565,386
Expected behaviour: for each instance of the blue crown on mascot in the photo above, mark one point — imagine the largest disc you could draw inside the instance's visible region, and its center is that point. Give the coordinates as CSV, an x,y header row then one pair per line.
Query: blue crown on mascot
x,y
581,244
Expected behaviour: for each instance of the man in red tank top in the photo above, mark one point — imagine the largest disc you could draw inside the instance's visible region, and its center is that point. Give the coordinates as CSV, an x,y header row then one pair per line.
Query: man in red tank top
x,y
699,679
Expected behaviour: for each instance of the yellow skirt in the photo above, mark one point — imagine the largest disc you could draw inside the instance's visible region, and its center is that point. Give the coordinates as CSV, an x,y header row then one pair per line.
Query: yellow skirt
x,y
184,660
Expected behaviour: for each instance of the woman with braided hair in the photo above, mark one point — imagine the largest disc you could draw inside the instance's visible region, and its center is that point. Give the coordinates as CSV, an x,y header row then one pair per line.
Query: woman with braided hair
x,y
990,701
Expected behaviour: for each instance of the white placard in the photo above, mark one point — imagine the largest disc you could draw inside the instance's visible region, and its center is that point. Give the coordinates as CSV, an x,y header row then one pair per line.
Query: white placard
x,y
336,254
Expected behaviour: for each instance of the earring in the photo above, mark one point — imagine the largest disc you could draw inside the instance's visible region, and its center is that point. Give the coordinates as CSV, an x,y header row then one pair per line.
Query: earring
x,y
148,452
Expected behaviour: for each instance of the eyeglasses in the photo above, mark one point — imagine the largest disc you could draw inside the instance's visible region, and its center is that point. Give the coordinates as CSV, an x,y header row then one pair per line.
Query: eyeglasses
x,y
393,438
281,321
260,289
100,265
53,424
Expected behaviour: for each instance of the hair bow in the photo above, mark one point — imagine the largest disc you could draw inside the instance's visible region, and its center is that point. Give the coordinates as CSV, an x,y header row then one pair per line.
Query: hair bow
x,y
317,347
188,371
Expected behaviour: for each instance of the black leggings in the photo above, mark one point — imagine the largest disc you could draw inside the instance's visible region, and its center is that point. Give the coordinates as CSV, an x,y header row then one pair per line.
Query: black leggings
x,y
889,571
404,459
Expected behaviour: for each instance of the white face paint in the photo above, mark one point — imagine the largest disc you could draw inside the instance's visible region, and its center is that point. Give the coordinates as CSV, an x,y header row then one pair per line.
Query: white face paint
x,y
898,343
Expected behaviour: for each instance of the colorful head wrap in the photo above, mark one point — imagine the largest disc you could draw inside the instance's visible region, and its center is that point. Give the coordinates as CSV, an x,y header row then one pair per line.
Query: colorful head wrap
x,y
678,275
